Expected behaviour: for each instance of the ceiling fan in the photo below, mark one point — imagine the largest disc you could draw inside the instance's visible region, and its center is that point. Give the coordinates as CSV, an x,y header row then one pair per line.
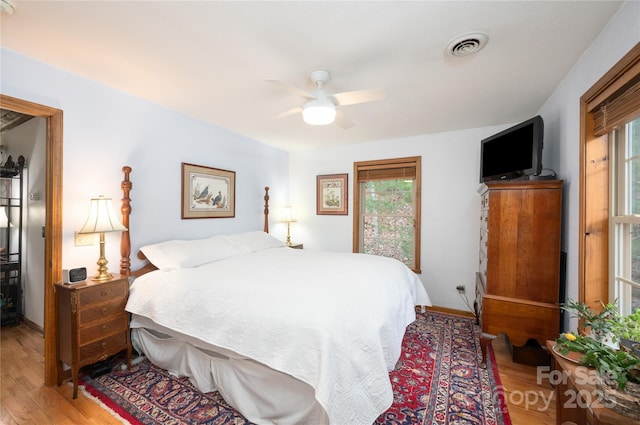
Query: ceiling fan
x,y
321,108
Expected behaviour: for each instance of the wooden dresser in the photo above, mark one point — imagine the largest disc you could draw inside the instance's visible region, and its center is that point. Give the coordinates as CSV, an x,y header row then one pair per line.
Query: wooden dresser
x,y
92,324
518,281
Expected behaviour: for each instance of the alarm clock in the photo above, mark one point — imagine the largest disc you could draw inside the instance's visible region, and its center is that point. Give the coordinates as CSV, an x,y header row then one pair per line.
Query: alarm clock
x,y
70,276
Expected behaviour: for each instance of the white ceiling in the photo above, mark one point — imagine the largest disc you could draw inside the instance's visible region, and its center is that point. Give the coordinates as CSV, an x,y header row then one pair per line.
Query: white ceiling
x,y
210,59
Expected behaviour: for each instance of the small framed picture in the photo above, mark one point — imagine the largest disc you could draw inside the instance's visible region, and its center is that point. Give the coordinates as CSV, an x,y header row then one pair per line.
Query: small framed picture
x,y
207,192
332,194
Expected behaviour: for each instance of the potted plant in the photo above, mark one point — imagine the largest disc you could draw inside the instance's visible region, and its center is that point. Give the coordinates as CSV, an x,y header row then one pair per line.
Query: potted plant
x,y
627,329
617,371
616,367
599,325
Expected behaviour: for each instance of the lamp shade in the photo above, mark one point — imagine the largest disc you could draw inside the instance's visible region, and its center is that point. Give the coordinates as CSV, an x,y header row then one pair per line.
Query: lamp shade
x,y
102,217
287,216
319,112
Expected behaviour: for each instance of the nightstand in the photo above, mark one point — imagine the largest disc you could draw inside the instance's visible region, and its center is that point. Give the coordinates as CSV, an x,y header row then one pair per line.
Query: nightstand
x,y
92,323
296,246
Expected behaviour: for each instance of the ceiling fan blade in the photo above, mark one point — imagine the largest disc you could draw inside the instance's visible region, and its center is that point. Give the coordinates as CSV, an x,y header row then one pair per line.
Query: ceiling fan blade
x,y
359,96
343,121
291,89
289,112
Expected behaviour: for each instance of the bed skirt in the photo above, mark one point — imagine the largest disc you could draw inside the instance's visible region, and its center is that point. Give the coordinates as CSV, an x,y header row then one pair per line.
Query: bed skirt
x,y
263,395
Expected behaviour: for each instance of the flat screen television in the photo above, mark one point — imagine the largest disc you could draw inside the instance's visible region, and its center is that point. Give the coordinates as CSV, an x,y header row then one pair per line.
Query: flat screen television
x,y
514,153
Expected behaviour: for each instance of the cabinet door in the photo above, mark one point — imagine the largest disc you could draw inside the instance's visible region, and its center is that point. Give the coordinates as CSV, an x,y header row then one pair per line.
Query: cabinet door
x,y
524,243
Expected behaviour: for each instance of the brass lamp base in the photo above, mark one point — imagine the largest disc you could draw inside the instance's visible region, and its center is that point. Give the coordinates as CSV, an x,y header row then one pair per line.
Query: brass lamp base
x,y
102,262
102,277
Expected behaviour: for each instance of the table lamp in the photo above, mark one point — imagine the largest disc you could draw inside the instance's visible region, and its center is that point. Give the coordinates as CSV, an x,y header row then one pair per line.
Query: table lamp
x,y
288,218
102,218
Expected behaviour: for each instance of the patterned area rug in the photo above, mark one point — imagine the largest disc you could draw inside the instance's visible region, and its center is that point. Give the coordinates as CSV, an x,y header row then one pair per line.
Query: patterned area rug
x,y
436,381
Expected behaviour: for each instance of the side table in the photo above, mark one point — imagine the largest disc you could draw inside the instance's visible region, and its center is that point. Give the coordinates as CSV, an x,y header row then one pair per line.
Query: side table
x,y
92,324
576,398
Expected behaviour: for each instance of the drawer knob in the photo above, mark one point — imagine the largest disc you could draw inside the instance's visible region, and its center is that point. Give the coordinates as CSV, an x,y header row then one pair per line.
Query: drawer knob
x,y
104,328
103,293
104,311
104,345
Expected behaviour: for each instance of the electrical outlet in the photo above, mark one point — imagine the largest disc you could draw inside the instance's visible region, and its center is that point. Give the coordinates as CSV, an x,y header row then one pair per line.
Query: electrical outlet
x,y
84,239
460,289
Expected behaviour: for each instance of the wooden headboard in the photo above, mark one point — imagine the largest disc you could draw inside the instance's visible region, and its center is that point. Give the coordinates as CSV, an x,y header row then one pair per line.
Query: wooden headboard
x,y
125,241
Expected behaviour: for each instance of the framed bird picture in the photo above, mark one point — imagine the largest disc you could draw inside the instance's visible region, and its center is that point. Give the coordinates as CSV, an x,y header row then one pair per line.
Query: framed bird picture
x,y
207,192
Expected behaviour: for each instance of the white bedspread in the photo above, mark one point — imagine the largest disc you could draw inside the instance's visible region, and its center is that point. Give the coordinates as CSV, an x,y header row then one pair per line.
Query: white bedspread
x,y
333,320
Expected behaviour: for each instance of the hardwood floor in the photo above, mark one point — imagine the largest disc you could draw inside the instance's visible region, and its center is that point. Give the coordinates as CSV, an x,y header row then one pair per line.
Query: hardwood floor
x,y
25,399
530,400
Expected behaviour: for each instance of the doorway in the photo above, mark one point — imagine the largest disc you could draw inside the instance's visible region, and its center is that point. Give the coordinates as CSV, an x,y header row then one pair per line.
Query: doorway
x,y
53,221
22,215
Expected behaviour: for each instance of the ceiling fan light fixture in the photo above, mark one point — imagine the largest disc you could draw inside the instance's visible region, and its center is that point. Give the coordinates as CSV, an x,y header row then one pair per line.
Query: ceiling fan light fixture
x,y
7,6
319,112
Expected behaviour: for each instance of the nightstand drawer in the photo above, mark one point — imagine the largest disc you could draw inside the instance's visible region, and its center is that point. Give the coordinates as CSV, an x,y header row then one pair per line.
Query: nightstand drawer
x,y
101,349
92,333
102,311
101,293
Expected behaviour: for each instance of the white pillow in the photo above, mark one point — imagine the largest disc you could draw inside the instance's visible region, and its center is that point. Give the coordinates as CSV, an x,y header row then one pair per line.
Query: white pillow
x,y
255,241
177,254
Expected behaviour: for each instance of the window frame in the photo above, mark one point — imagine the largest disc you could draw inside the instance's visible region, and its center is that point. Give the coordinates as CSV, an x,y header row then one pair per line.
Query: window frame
x,y
595,178
621,282
388,164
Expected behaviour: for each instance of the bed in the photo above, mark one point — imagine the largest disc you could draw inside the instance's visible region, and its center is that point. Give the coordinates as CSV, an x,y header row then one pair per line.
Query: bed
x,y
286,336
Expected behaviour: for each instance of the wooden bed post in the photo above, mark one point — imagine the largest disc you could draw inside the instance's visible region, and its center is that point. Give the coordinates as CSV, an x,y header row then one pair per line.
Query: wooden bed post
x,y
125,241
266,209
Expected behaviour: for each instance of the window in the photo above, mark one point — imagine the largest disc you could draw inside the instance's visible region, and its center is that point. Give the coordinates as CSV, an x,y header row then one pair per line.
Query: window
x,y
625,221
607,224
387,209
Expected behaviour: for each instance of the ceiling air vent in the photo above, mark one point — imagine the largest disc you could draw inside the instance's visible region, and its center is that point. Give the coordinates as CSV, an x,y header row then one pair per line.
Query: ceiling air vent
x,y
467,44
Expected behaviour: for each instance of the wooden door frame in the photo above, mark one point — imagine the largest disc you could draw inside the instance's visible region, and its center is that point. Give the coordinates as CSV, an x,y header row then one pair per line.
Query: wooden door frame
x,y
53,221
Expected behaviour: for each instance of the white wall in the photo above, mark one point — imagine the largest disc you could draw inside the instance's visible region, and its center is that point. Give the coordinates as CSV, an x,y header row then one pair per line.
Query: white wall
x,y
450,204
105,129
561,114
